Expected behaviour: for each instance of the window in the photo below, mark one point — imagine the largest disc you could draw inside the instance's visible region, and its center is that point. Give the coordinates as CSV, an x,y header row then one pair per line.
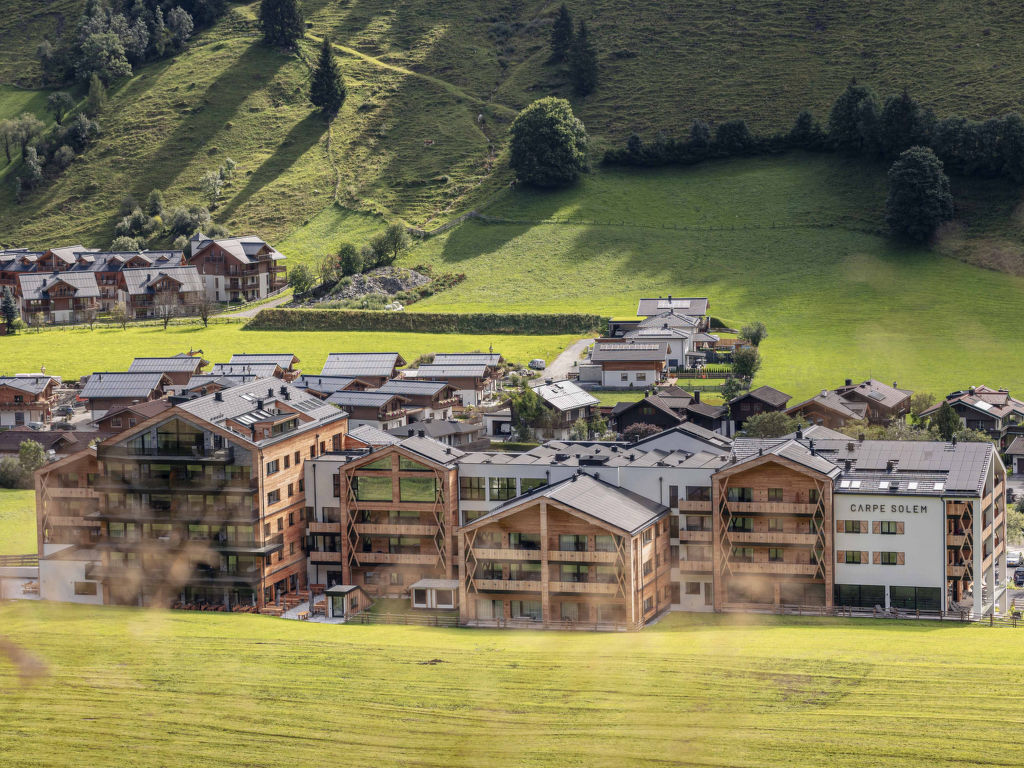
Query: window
x,y
85,587
502,488
813,496
693,587
673,496
395,578
312,451
525,609
698,493
604,543
372,488
774,524
296,459
291,519
568,542
623,377
472,488
744,524
890,558
524,541
382,464
291,490
648,568
852,557
528,484
266,529
648,604
409,465
774,494
648,536
280,524
287,461
336,485
641,376
273,497
273,467
889,526
302,484
745,495
851,526
743,554
291,548
422,489
775,555
115,422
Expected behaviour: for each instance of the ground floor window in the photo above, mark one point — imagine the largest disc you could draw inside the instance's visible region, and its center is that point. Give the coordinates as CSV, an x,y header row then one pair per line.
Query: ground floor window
x,y
611,613
859,595
799,593
489,609
916,598
708,596
693,587
444,598
337,606
419,598
85,587
526,609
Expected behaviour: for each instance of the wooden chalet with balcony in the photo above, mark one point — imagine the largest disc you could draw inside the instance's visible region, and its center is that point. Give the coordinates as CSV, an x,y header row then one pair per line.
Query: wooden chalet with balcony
x,y
156,292
764,399
59,297
179,368
575,553
26,399
237,268
105,391
375,368
424,400
377,409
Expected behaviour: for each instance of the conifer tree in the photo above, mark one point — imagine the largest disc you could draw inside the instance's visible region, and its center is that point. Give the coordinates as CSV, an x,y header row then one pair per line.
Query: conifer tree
x,y
8,310
561,35
582,62
327,88
281,22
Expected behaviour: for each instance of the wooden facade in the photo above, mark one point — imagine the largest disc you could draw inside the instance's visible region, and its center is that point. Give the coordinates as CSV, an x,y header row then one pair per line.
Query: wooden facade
x,y
545,563
772,535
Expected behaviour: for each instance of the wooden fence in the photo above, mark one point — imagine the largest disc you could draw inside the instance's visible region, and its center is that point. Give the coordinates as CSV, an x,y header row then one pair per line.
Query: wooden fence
x,y
410,619
19,561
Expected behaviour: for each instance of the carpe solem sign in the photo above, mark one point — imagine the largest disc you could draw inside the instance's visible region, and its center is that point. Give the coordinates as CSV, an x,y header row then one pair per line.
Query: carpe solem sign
x,y
897,509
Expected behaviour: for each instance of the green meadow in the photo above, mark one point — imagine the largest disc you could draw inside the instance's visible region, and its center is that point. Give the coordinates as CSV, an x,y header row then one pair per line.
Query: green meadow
x,y
17,522
130,687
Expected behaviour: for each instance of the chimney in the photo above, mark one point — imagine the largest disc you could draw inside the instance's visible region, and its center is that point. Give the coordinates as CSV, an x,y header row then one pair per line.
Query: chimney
x,y
799,433
848,465
270,391
696,396
259,405
812,448
890,465
971,391
218,397
895,385
422,433
824,393
860,437
283,390
849,382
954,439
411,431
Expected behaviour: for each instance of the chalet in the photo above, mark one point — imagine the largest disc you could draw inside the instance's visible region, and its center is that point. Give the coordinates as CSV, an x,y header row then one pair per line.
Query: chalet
x,y
13,264
286,362
473,383
679,344
108,266
56,443
208,383
378,409
373,367
26,399
987,410
884,403
237,268
125,417
108,390
179,368
565,403
464,435
1015,455
669,319
60,297
764,399
574,553
425,400
667,407
248,370
325,386
61,259
829,409
148,293
697,308
626,365
492,360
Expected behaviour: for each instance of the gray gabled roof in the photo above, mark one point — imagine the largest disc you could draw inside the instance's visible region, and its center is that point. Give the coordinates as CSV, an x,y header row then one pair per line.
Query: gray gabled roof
x,y
747,449
120,384
671,319
876,392
683,306
362,399
437,428
490,359
31,384
565,395
247,248
326,384
610,504
624,351
411,387
431,449
766,394
139,282
258,370
165,364
436,371
1016,448
286,361
37,285
356,364
369,434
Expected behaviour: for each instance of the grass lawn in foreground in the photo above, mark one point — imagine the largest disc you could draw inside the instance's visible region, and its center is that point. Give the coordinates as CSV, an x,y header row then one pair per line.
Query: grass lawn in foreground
x,y
131,687
76,352
839,301
17,522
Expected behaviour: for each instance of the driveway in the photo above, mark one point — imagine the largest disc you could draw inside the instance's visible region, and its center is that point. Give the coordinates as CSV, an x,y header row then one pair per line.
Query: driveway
x,y
560,367
253,311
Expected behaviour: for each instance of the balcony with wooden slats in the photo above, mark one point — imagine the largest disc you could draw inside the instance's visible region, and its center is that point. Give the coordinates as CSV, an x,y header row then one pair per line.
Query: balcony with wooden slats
x,y
781,569
773,537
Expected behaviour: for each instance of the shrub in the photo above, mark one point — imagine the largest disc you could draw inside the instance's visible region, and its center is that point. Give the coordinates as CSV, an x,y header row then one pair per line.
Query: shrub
x,y
548,145
424,322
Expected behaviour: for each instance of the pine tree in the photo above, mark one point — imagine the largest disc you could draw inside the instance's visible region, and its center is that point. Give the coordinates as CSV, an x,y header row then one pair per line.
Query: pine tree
x,y
582,62
8,310
946,421
561,35
281,22
96,101
327,88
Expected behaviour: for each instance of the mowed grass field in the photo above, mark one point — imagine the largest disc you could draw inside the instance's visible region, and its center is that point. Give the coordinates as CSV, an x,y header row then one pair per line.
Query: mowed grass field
x,y
17,522
78,351
797,242
129,687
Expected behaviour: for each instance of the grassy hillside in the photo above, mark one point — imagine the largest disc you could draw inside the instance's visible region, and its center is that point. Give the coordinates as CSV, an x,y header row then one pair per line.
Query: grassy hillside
x,y
77,352
17,522
129,687
26,23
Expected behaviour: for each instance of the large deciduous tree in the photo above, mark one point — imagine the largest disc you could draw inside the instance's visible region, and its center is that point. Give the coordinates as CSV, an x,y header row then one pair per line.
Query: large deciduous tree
x,y
549,144
919,195
281,22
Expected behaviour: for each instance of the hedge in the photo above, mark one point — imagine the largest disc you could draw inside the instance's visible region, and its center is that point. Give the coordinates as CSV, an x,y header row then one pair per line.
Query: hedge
x,y
423,322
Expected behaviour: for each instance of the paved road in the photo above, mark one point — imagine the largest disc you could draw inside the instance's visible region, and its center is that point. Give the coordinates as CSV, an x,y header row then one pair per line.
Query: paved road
x,y
253,311
560,367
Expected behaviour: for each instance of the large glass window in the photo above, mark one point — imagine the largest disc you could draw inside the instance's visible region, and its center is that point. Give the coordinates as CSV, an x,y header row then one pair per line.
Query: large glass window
x,y
573,572
604,543
851,526
524,540
411,466
423,489
853,557
525,609
774,494
568,542
889,558
745,524
915,598
384,463
698,493
889,526
372,488
502,488
743,554
745,495
472,488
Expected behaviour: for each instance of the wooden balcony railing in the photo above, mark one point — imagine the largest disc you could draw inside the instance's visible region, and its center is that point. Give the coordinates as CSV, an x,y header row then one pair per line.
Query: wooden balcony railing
x,y
324,557
956,539
956,571
773,537
402,559
507,585
491,553
395,529
695,566
695,506
569,556
314,527
788,569
771,508
584,587
694,535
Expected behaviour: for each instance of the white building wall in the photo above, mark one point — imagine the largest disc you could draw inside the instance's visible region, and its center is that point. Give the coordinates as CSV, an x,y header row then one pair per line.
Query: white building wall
x,y
57,582
636,379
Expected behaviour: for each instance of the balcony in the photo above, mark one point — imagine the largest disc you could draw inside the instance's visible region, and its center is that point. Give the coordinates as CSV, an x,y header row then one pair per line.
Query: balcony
x,y
771,508
184,514
769,568
396,559
71,493
956,539
314,527
695,506
584,587
507,585
169,452
695,566
199,483
694,535
572,556
324,557
396,529
485,553
956,571
773,537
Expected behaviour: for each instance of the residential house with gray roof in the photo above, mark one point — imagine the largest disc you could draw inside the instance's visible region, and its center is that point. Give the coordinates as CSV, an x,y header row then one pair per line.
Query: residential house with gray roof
x,y
242,268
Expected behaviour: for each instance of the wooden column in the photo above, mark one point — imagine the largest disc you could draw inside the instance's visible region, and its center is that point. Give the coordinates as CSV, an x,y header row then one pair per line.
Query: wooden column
x,y
545,598
465,610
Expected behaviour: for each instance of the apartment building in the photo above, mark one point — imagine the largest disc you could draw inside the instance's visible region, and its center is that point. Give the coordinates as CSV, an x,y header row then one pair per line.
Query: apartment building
x,y
374,368
384,517
424,400
205,502
618,364
377,409
565,403
473,383
25,399
237,268
153,292
58,297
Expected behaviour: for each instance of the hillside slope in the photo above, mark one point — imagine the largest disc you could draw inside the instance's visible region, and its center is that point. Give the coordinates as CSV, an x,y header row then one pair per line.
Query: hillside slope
x,y
410,141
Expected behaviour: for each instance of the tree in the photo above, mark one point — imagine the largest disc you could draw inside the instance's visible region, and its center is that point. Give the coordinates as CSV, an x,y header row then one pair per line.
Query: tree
x,y
281,22
179,26
102,54
528,412
89,316
733,137
946,421
165,305
919,196
561,35
123,243
11,473
754,332
639,431
119,315
33,170
902,125
580,430
733,388
770,424
79,132
549,144
63,157
806,131
155,203
326,86
300,278
211,185
846,127
8,136
8,309
96,101
746,361
204,306
326,270
391,244
919,402
582,62
27,129
1015,522
31,456
59,104
349,260
700,136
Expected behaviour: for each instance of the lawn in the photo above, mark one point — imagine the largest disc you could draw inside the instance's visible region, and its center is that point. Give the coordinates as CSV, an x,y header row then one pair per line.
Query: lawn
x,y
76,352
136,688
17,522
840,300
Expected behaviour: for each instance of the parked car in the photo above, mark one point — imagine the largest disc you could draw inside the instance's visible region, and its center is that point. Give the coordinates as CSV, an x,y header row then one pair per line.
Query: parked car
x,y
65,410
1014,559
1018,577
538,364
36,425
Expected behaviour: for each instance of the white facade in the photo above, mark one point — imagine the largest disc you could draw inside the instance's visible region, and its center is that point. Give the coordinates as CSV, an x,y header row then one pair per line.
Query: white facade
x,y
15,579
64,581
629,379
17,418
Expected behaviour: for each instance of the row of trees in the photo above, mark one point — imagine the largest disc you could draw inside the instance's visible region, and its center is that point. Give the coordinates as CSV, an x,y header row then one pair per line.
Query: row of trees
x,y
575,49
144,221
111,39
381,251
17,472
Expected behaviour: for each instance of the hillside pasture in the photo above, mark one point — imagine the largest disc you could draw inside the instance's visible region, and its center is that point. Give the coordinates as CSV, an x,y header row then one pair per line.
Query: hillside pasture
x,y
117,686
17,522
